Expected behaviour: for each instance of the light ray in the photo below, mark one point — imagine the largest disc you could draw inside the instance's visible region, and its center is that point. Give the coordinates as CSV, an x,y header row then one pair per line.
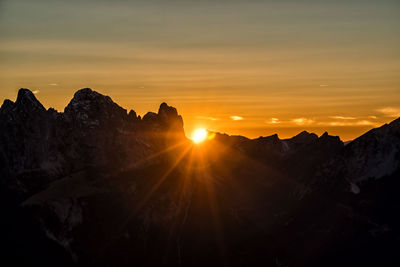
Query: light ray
x,y
155,155
161,180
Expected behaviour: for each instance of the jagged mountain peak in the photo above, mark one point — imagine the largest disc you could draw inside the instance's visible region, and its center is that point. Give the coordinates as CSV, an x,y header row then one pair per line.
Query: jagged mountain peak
x,y
167,111
376,133
26,99
304,137
7,105
86,98
132,114
92,109
25,108
93,130
271,138
326,138
373,155
324,134
170,116
150,116
25,93
89,94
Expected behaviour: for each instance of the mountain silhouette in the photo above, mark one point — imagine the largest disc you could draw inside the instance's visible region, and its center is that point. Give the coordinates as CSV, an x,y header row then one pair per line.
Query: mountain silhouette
x,y
98,185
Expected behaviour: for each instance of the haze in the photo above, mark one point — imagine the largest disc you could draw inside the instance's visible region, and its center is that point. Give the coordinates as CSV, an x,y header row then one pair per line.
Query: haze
x,y
241,67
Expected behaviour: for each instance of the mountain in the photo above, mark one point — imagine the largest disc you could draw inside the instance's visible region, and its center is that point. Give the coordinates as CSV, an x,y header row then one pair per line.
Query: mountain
x,y
373,155
40,146
98,185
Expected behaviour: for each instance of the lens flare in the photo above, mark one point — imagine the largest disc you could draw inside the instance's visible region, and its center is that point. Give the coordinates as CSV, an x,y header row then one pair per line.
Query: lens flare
x,y
199,135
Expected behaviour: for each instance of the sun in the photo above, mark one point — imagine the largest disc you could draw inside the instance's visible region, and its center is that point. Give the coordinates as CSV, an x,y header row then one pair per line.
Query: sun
x,y
199,135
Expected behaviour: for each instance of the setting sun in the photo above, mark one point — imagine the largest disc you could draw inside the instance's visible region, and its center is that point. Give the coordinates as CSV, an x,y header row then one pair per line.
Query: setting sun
x,y
199,135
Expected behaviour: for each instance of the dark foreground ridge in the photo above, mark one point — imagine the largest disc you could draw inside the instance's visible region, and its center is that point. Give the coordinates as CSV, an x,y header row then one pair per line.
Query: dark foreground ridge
x,y
98,185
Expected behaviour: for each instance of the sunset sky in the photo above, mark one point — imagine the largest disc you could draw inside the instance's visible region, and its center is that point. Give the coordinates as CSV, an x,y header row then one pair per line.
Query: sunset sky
x,y
241,67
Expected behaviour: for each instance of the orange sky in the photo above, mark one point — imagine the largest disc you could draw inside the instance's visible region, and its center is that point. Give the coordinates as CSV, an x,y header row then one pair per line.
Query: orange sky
x,y
241,67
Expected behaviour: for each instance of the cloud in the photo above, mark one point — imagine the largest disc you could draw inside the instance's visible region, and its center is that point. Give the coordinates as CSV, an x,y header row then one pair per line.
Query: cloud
x,y
274,121
356,123
207,118
236,118
323,85
303,121
390,111
365,122
372,117
53,84
342,118
35,92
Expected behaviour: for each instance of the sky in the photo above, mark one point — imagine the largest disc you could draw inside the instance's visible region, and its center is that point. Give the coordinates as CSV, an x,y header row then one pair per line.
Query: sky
x,y
251,67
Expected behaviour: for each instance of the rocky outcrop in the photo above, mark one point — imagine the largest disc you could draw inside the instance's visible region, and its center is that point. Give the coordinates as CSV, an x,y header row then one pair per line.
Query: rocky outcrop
x,y
374,155
27,146
39,145
89,109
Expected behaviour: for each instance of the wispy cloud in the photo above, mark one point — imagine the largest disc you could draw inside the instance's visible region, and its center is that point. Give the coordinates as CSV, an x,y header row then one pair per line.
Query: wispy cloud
x,y
355,123
365,122
273,121
342,118
207,118
236,118
323,85
372,117
53,84
36,92
303,121
390,111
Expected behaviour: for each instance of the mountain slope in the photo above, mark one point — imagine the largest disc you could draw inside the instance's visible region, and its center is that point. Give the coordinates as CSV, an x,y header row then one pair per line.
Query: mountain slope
x,y
97,185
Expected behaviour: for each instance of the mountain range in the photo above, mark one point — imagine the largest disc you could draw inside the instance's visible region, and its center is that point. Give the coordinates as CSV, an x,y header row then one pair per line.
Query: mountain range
x,y
98,185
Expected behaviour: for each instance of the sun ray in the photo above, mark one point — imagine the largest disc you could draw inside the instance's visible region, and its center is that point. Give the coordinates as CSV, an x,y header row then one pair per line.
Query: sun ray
x,y
125,221
213,205
161,180
155,155
176,228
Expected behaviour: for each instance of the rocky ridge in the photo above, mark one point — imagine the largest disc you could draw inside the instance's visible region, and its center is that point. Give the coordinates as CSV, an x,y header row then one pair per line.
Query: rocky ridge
x,y
96,184
93,131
